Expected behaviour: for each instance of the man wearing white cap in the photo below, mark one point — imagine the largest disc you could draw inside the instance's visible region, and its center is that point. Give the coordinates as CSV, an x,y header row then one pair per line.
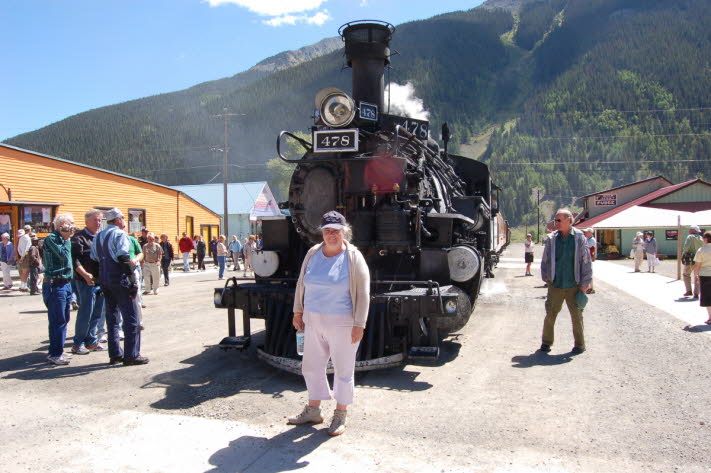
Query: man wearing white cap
x,y
7,259
691,245
118,281
23,245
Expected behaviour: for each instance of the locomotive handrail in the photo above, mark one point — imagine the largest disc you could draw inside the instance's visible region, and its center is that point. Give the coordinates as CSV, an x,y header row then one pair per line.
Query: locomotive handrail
x,y
306,145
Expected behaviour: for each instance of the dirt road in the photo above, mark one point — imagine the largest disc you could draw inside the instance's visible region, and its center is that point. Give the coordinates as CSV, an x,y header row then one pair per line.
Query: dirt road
x,y
638,400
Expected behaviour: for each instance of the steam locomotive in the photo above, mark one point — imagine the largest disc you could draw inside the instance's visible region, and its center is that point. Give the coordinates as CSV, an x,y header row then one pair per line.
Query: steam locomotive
x,y
427,221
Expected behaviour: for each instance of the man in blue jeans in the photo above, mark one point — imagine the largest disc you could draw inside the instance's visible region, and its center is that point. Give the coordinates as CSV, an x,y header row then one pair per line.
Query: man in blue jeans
x,y
118,283
89,294
57,287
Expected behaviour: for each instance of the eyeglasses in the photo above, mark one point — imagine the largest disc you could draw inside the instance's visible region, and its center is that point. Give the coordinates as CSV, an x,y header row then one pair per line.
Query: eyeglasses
x,y
68,229
558,220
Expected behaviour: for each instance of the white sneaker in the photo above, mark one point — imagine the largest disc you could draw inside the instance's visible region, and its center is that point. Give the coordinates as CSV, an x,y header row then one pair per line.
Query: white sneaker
x,y
58,360
155,292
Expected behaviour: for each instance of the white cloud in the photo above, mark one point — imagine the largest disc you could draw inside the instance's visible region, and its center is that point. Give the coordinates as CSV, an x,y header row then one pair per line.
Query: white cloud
x,y
275,8
363,3
318,18
404,102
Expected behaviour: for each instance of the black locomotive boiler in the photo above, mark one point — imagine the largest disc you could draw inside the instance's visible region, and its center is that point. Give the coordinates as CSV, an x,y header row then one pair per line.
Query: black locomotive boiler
x,y
427,222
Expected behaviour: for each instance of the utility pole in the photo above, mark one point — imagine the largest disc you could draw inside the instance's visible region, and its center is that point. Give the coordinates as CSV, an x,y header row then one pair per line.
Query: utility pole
x,y
226,116
536,194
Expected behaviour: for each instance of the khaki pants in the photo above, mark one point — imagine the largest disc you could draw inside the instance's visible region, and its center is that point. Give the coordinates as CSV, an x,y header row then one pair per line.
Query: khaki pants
x,y
151,276
638,258
688,270
554,303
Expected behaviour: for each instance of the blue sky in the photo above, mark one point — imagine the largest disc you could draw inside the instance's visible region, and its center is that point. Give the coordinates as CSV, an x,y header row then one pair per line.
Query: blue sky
x,y
63,57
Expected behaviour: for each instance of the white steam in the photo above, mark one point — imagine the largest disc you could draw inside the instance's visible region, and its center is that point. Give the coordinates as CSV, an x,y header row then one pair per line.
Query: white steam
x,y
404,102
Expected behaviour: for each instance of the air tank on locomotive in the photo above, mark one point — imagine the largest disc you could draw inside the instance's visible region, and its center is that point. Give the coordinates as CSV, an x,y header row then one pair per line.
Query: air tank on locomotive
x,y
423,218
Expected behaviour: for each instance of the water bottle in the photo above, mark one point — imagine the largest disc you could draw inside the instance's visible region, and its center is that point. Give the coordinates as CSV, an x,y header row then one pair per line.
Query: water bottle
x,y
300,342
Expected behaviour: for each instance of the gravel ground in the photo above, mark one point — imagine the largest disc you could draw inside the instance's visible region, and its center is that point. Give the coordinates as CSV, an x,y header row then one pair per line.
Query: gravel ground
x,y
636,401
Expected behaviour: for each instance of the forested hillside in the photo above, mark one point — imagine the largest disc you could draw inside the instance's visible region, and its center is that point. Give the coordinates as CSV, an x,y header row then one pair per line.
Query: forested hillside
x,y
582,93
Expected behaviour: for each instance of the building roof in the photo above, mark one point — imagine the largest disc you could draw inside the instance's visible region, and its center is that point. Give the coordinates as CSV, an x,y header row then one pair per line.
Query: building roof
x,y
627,185
28,203
74,163
241,196
649,217
639,202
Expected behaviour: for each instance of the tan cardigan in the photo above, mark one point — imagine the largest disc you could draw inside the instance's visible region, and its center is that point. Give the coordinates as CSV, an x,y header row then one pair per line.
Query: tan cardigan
x,y
359,283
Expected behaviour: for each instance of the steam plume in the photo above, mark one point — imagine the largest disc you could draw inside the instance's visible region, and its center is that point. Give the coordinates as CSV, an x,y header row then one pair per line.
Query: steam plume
x,y
404,102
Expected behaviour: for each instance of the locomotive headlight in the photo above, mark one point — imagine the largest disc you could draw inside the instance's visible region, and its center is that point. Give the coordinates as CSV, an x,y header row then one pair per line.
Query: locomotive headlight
x,y
451,306
336,108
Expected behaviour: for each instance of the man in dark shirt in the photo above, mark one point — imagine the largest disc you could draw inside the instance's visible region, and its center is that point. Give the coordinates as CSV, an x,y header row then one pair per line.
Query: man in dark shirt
x,y
143,239
167,259
57,288
35,261
91,301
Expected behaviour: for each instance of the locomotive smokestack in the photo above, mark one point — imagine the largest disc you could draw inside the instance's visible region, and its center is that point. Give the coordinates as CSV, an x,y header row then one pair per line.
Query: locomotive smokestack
x,y
367,53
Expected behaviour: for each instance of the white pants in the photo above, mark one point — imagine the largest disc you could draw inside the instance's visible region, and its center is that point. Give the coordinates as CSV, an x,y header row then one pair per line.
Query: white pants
x,y
151,276
651,259
329,336
6,278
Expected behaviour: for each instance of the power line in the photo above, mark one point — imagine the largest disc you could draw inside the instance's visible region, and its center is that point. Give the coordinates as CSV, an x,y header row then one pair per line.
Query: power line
x,y
600,112
548,163
614,137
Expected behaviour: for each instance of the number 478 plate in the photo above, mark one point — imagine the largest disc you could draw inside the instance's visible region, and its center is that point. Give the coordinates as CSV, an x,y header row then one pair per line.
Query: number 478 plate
x,y
329,141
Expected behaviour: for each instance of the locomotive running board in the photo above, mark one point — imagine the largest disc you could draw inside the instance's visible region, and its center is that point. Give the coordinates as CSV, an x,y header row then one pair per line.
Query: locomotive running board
x,y
294,366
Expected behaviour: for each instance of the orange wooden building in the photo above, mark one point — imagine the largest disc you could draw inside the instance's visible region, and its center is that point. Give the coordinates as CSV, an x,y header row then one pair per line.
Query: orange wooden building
x,y
34,187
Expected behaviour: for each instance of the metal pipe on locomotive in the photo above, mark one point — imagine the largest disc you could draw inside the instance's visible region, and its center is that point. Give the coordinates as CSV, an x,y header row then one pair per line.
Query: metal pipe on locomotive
x,y
427,222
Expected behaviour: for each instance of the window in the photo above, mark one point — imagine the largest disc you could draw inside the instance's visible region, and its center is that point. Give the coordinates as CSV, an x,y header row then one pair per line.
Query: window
x,y
136,220
189,227
39,217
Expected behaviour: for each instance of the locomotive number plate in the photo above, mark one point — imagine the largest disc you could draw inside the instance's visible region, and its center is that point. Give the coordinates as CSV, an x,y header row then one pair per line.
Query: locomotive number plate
x,y
368,111
329,141
419,128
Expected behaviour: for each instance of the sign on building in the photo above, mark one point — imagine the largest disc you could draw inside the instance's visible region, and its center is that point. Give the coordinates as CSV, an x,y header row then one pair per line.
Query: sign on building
x,y
672,234
605,200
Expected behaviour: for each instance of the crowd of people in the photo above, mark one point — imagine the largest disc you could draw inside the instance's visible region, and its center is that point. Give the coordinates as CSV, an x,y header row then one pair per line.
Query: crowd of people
x,y
104,275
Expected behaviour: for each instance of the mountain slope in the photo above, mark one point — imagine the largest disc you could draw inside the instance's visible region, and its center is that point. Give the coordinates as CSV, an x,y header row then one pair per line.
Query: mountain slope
x,y
592,92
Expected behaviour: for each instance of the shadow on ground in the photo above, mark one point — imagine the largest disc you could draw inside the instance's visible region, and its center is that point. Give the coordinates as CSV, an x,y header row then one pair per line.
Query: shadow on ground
x,y
283,452
539,358
698,328
34,366
216,374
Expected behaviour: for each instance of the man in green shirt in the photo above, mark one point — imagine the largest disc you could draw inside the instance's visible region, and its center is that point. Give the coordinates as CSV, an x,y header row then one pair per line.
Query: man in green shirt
x,y
136,255
57,287
691,245
566,268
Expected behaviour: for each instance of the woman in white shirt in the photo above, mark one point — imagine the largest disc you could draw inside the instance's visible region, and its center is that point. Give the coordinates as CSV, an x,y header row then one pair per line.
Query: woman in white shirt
x,y
702,270
528,253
